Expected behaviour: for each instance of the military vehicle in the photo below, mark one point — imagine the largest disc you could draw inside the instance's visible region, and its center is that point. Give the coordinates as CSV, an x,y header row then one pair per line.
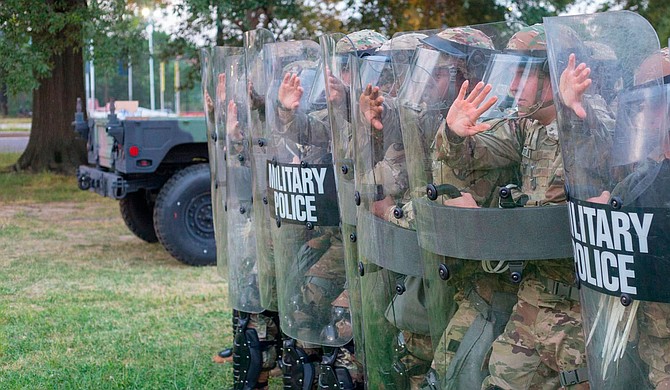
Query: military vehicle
x,y
158,169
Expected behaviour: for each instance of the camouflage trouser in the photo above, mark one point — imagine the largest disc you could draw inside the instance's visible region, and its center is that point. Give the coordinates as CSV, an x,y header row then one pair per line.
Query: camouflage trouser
x,y
453,335
267,330
324,282
482,312
344,359
654,345
348,360
543,337
418,358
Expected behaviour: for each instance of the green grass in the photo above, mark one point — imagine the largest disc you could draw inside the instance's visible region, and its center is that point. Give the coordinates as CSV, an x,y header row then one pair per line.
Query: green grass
x,y
86,305
38,188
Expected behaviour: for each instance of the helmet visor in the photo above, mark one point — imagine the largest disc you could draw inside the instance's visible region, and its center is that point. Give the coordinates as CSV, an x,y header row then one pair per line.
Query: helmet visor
x,y
516,81
642,123
433,79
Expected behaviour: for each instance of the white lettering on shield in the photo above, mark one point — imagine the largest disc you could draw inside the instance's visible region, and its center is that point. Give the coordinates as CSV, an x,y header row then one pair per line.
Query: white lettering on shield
x,y
295,189
605,245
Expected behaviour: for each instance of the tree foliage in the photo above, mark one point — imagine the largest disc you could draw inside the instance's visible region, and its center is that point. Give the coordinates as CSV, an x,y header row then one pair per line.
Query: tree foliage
x,y
44,42
657,12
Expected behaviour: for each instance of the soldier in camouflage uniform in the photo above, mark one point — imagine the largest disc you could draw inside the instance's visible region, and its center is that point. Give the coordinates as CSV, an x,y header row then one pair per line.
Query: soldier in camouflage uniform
x,y
466,50
398,346
321,276
256,331
543,337
653,323
641,328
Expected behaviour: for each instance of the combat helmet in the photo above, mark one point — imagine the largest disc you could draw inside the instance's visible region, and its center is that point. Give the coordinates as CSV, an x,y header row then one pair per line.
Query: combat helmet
x,y
523,59
387,66
469,45
362,43
407,41
603,61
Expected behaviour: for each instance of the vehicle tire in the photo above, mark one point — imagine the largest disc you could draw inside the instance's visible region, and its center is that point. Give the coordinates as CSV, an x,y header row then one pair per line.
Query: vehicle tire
x,y
183,216
137,211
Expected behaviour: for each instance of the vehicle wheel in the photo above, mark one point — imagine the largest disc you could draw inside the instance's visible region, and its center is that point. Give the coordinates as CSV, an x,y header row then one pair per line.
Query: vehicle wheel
x,y
183,216
137,211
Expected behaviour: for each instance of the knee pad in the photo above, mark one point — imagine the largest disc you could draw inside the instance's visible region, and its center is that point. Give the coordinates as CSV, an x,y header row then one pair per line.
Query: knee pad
x,y
331,376
247,359
297,367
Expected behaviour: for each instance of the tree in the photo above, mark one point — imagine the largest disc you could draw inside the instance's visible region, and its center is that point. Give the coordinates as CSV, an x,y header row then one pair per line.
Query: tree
x,y
657,12
41,49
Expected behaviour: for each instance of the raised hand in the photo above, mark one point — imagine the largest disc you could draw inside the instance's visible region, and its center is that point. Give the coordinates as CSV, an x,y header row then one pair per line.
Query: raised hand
x,y
221,88
572,85
371,107
464,112
603,198
464,201
232,124
290,91
209,103
337,89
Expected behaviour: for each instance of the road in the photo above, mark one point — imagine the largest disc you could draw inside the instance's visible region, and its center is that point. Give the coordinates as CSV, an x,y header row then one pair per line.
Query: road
x,y
13,142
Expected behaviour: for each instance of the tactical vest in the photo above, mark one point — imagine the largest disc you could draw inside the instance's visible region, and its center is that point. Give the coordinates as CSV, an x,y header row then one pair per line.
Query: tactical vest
x,y
538,160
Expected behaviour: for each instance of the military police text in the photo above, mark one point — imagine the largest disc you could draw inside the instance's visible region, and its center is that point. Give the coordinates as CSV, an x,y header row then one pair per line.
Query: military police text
x,y
295,187
604,245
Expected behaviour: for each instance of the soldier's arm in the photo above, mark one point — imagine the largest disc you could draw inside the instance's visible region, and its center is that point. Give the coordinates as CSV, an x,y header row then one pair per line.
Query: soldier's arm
x,y
497,148
465,143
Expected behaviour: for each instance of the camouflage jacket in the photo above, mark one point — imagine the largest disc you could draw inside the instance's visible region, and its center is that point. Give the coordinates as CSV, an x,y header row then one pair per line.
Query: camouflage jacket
x,y
536,148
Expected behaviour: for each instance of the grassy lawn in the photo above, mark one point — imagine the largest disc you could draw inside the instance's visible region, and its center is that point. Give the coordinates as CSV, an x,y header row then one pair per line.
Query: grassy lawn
x,y
84,304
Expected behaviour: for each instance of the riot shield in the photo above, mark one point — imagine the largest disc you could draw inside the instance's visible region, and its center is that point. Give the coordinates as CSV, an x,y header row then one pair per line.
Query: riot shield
x,y
614,137
217,143
261,151
343,153
303,204
241,235
469,230
390,264
208,84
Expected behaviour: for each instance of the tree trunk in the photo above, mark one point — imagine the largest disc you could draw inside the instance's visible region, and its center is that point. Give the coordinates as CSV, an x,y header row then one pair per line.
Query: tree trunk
x,y
53,145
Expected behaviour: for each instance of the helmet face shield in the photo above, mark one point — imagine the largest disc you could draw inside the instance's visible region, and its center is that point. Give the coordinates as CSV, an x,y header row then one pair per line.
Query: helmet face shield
x,y
642,123
433,79
378,71
517,82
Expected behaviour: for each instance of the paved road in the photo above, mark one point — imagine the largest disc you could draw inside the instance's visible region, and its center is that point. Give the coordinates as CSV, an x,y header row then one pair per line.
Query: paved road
x,y
13,142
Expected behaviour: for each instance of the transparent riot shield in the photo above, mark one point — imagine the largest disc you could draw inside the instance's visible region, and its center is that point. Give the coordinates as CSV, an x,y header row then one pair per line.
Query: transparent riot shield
x,y
241,234
208,84
303,204
343,160
217,153
468,232
395,324
261,151
614,136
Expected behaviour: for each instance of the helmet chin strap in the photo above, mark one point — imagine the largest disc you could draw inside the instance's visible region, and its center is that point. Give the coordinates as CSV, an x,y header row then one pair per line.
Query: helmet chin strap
x,y
538,97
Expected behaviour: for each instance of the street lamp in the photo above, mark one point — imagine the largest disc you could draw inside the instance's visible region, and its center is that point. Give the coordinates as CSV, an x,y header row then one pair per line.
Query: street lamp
x,y
146,12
